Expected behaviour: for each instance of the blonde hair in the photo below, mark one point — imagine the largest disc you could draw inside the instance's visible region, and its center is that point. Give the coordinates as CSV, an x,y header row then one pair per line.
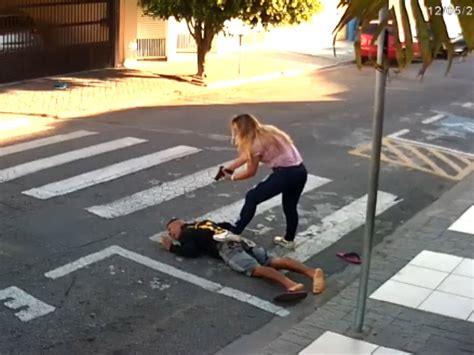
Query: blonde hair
x,y
246,129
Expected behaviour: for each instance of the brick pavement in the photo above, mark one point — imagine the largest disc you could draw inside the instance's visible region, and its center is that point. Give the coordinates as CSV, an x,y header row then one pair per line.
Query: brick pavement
x,y
388,324
88,93
94,92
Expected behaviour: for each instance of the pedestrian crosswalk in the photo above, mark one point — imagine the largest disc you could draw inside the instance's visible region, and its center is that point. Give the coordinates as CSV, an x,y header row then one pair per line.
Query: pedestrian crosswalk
x,y
156,195
108,173
229,212
133,200
41,164
128,201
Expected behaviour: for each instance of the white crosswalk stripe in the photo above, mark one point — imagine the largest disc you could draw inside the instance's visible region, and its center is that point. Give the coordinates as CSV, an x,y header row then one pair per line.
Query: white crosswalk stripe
x,y
230,212
156,195
333,227
56,160
109,173
37,143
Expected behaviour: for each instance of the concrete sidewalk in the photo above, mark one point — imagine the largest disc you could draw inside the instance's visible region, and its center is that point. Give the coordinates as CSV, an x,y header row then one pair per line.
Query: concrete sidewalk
x,y
421,291
94,92
244,67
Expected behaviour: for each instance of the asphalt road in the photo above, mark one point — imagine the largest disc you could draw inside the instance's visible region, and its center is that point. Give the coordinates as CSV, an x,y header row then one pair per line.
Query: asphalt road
x,y
134,299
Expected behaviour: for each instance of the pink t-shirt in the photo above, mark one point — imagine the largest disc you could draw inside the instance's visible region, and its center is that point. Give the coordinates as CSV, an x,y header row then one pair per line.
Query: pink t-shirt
x,y
273,158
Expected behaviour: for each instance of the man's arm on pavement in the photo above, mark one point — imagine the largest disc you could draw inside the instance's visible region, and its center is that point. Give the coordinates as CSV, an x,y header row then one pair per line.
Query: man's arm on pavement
x,y
187,248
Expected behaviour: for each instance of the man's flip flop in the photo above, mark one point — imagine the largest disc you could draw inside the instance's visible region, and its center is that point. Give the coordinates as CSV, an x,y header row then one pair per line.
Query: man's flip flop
x,y
291,296
353,258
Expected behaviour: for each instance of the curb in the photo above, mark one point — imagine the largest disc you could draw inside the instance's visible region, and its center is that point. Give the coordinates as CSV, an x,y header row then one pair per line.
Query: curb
x,y
275,75
147,102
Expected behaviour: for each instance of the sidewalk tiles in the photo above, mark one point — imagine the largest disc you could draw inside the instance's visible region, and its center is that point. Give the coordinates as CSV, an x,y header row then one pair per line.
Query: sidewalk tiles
x,y
436,282
465,223
425,265
333,343
433,282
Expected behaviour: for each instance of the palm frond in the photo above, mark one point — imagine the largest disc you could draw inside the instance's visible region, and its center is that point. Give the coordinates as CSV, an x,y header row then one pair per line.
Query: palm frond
x,y
431,33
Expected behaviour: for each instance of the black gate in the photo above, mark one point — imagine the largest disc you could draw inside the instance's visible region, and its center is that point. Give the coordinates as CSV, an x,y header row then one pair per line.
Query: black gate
x,y
46,37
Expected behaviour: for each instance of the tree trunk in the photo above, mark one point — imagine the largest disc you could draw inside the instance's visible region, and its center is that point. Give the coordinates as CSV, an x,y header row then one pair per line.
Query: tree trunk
x,y
201,61
204,37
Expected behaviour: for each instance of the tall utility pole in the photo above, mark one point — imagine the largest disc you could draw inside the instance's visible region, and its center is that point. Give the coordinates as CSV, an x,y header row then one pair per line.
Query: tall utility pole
x,y
380,82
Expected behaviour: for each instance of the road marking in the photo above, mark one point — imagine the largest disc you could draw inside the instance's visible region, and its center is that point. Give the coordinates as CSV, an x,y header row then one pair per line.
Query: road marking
x,y
432,119
230,212
42,164
109,173
156,195
43,142
30,307
458,123
464,104
333,227
169,270
399,133
440,161
432,146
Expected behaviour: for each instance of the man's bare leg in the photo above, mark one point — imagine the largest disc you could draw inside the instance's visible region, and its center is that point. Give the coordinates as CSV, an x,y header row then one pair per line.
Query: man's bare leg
x,y
317,275
292,265
270,273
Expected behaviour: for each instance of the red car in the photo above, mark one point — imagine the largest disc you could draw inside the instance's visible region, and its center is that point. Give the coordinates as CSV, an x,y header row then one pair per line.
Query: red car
x,y
369,51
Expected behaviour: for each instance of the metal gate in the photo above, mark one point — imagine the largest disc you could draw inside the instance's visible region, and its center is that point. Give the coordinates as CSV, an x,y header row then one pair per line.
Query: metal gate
x,y
46,37
151,36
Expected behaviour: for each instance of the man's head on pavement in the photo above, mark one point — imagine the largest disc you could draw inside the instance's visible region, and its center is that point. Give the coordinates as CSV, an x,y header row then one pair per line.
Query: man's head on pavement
x,y
174,227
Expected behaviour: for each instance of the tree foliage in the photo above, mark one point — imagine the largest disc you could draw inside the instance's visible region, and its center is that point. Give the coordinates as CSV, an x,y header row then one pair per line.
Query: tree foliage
x,y
278,12
206,18
432,33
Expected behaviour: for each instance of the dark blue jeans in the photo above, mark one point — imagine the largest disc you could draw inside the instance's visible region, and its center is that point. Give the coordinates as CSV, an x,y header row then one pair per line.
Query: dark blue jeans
x,y
289,182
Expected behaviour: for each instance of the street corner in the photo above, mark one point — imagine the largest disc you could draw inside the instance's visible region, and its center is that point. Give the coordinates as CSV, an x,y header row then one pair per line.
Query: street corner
x,y
17,126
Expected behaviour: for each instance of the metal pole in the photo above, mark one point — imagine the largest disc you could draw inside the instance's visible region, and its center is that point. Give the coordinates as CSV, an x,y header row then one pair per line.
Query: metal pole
x,y
380,81
240,50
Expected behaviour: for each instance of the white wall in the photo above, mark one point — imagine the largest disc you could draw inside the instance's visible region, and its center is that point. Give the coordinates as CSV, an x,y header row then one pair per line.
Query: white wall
x,y
311,36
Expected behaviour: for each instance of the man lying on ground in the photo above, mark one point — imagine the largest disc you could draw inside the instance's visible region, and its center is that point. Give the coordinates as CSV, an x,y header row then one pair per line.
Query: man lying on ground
x,y
242,255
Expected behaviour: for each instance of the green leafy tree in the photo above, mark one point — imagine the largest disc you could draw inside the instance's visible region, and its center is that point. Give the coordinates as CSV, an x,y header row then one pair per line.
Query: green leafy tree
x,y
206,18
432,33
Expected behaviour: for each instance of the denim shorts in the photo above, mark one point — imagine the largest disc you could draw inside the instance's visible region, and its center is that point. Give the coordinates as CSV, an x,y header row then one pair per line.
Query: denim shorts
x,y
243,259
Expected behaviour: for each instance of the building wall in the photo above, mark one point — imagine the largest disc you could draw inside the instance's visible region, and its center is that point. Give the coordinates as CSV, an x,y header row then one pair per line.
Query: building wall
x,y
304,38
151,36
128,32
309,36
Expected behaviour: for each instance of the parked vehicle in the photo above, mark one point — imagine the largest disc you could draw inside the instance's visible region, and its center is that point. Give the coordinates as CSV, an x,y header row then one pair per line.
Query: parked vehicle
x,y
369,50
459,46
18,32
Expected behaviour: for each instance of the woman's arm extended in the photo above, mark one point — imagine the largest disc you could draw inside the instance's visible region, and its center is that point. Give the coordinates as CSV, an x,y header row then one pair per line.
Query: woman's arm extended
x,y
237,163
252,167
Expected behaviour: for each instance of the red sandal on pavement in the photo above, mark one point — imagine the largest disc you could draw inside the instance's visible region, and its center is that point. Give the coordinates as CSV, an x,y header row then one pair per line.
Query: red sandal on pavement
x,y
352,257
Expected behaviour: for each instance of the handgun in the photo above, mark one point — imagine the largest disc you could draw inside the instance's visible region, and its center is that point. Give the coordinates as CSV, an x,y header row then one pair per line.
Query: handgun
x,y
221,173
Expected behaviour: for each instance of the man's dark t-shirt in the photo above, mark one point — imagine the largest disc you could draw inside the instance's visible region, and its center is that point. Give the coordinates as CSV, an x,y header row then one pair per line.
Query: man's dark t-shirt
x,y
196,239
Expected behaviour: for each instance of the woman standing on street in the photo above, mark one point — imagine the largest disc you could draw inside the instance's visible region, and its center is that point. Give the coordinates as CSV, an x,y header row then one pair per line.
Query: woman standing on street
x,y
259,143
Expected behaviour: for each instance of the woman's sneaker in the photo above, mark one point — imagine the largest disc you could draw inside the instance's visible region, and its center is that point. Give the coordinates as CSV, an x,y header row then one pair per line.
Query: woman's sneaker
x,y
228,226
227,237
281,241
